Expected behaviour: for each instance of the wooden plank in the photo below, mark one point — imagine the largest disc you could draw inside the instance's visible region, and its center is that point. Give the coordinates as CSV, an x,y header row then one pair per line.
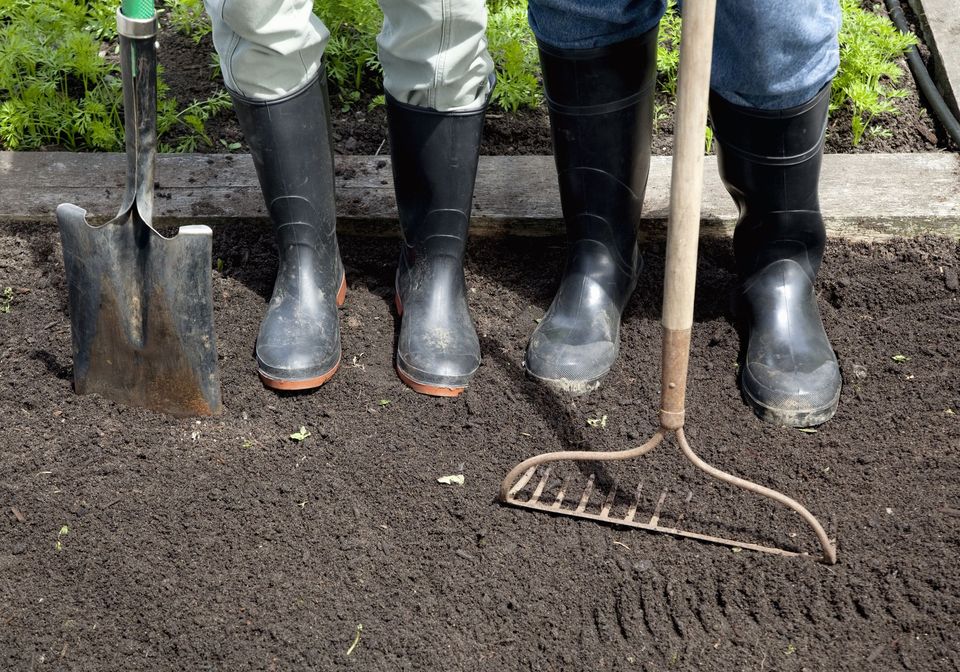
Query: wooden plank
x,y
864,196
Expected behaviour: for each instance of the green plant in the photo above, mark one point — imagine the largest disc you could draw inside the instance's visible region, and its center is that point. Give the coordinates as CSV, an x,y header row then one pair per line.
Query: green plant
x,y
61,533
514,51
6,299
351,54
55,84
668,49
188,18
301,435
191,119
60,82
869,45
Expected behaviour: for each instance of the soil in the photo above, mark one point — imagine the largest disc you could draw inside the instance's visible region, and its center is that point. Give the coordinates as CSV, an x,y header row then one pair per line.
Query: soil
x,y
362,128
222,543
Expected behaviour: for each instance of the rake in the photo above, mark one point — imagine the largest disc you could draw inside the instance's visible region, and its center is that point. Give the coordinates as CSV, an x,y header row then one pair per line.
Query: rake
x,y
686,188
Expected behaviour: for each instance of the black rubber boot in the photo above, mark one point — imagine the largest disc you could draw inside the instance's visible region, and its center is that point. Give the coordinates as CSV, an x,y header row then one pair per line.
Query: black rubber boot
x,y
434,156
770,164
601,114
299,343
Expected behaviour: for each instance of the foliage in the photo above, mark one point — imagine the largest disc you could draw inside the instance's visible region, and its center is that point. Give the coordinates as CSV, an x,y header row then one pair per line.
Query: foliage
x,y
668,49
6,299
60,81
869,45
514,52
188,18
60,84
56,86
351,54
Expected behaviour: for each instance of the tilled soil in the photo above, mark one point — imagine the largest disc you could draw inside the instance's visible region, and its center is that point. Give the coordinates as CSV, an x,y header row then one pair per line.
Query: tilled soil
x,y
131,540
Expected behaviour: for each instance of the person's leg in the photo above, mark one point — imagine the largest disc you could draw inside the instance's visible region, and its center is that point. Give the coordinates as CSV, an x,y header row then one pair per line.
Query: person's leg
x,y
270,54
438,78
773,66
599,68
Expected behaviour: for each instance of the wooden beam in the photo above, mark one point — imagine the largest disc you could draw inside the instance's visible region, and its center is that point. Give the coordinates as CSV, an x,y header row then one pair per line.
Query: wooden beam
x,y
864,196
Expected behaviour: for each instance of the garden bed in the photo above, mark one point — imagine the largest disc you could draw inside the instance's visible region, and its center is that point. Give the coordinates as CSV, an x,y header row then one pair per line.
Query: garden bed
x,y
361,129
131,540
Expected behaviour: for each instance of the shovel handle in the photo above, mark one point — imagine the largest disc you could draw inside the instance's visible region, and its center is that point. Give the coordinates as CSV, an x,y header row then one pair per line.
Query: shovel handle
x,y
137,9
686,189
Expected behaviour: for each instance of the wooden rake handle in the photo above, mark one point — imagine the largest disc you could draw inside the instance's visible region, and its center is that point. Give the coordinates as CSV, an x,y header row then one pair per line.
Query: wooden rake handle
x,y
686,189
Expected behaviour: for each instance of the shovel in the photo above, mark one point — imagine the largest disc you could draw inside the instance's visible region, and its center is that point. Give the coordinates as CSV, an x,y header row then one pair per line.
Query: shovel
x,y
543,493
141,308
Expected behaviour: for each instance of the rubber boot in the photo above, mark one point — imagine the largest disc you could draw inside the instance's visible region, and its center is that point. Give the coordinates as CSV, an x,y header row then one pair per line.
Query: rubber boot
x,y
770,164
299,342
434,156
601,116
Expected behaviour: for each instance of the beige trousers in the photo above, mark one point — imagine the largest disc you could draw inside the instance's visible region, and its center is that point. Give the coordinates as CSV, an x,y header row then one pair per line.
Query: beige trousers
x,y
434,52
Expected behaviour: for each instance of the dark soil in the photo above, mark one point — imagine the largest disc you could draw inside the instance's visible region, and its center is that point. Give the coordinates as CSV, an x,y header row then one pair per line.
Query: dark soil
x,y
362,128
223,544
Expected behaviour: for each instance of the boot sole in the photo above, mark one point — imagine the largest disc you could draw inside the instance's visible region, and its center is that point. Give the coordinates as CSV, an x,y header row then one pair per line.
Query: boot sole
x,y
288,384
572,388
422,388
802,418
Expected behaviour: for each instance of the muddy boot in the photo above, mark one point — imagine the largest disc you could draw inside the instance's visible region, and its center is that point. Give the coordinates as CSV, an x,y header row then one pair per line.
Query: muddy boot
x,y
601,115
299,343
435,158
770,164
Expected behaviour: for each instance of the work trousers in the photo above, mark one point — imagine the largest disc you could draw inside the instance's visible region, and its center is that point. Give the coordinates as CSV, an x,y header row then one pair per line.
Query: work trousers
x,y
433,52
771,54
767,54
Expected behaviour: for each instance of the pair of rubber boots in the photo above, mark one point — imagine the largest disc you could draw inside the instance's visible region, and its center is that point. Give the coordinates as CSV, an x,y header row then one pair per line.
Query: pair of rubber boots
x,y
601,110
435,159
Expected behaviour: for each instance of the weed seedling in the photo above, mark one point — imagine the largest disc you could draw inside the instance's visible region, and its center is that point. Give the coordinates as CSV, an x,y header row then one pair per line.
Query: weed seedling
x,y
6,299
600,423
301,435
64,531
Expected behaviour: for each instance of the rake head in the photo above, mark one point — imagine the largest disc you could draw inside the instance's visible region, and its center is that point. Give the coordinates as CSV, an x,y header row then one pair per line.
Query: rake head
x,y
533,485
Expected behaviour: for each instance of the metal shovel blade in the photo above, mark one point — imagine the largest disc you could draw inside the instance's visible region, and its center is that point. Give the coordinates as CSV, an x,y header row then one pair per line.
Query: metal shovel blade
x,y
141,305
141,313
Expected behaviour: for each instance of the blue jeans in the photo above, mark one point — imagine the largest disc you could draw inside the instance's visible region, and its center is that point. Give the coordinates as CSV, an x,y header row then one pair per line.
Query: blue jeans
x,y
768,54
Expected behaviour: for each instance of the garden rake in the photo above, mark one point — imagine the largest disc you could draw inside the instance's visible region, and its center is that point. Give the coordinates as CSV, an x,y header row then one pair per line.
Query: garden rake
x,y
141,305
679,283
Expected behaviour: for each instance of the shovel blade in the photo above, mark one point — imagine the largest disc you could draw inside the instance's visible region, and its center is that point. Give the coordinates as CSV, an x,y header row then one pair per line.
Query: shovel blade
x,y
141,313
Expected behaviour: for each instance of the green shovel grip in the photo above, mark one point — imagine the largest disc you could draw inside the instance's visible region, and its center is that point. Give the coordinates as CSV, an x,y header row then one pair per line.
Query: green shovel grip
x,y
137,9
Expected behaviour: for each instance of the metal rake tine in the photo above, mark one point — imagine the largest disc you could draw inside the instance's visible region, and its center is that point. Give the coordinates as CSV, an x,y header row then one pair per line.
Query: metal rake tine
x,y
527,475
535,497
587,491
632,511
655,518
608,502
558,502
